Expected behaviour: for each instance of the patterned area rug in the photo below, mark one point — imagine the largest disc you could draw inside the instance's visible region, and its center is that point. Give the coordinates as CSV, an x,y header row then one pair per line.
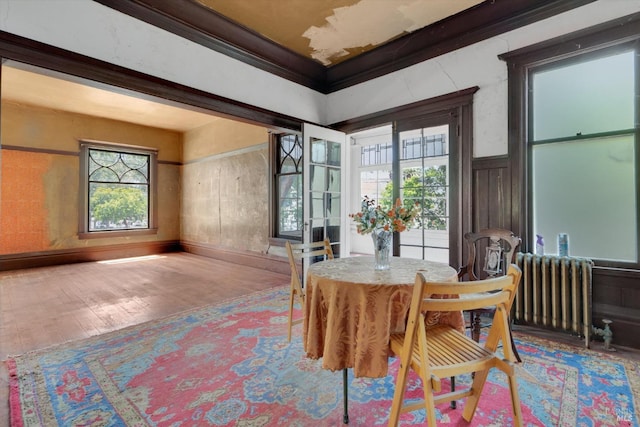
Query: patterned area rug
x,y
231,365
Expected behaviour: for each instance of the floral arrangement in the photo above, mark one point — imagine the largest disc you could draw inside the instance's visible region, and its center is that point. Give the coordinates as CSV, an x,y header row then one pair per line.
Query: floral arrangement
x,y
374,217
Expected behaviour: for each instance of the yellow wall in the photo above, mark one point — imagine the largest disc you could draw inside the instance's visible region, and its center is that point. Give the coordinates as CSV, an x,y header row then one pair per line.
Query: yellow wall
x,y
221,136
39,188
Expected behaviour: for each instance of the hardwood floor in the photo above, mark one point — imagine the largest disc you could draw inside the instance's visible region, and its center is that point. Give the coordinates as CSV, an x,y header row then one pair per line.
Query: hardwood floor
x,y
41,307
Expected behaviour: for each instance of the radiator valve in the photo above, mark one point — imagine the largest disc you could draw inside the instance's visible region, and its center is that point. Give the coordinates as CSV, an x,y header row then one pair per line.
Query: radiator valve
x,y
606,333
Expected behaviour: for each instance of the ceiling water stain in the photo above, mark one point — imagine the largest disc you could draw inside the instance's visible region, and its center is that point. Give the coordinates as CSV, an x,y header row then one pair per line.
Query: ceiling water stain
x,y
331,31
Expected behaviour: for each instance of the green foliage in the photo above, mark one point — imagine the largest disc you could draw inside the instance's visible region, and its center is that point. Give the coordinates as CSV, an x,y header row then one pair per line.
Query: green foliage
x,y
118,205
429,189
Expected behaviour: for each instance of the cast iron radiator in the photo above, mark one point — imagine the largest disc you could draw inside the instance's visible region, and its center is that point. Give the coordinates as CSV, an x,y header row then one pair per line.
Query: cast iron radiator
x,y
554,292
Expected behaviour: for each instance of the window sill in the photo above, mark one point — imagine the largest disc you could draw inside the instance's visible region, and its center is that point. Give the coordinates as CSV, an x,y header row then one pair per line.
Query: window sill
x,y
116,233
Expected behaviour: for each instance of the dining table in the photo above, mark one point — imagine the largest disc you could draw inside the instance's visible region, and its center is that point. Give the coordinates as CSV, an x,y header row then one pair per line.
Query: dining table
x,y
351,310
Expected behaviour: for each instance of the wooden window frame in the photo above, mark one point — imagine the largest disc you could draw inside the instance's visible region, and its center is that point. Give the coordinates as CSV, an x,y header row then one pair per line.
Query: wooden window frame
x,y
83,196
608,35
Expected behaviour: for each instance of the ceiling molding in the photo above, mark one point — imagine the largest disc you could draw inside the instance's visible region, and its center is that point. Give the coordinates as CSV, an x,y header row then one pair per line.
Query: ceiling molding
x,y
195,22
479,23
621,30
42,55
418,109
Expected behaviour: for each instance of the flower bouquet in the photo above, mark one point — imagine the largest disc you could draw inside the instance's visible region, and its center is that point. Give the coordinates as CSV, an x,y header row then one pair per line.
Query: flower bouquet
x,y
381,223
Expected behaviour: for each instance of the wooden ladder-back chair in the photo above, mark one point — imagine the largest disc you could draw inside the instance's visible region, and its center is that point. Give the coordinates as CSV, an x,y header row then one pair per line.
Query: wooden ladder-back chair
x,y
442,351
297,252
490,251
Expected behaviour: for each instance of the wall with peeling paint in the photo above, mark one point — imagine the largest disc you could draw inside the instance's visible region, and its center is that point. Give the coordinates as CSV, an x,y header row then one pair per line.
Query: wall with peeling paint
x,y
39,186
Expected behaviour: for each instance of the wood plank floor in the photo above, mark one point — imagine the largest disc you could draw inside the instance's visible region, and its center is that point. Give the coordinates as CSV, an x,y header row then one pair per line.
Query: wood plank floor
x,y
41,307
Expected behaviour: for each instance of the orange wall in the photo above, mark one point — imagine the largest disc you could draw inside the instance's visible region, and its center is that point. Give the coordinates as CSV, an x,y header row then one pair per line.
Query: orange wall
x,y
39,181
24,222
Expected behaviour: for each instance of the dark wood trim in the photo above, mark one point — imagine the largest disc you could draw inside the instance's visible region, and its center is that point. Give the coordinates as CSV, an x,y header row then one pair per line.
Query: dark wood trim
x,y
481,22
491,193
42,55
455,109
408,111
615,292
492,162
616,31
519,62
195,22
273,263
616,297
85,254
191,20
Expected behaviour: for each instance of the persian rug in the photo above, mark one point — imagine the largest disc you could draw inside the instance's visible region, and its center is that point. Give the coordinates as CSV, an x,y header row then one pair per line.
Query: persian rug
x,y
231,365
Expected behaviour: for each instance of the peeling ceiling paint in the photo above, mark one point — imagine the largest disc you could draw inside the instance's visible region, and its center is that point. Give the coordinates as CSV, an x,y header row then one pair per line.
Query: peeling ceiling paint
x,y
331,31
370,23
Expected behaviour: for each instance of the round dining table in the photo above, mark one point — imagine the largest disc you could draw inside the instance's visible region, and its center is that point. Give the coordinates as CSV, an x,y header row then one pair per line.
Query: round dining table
x,y
351,310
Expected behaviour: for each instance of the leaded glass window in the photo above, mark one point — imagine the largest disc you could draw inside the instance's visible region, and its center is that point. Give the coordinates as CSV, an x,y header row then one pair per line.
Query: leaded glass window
x,y
117,188
289,186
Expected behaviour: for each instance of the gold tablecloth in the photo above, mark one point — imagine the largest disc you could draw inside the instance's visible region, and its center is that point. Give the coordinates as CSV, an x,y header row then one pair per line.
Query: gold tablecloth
x,y
351,310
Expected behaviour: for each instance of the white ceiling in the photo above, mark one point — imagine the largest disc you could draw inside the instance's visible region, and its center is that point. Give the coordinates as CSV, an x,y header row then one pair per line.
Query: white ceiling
x,y
59,92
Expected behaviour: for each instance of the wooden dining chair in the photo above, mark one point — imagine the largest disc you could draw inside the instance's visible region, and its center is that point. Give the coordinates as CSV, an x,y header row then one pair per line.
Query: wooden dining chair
x,y
490,251
297,252
442,351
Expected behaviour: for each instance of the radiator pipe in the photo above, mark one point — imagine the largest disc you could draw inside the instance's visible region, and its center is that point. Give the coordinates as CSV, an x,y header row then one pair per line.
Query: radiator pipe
x,y
606,333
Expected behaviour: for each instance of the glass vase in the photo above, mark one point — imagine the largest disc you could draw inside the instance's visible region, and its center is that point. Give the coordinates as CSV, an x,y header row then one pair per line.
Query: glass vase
x,y
381,246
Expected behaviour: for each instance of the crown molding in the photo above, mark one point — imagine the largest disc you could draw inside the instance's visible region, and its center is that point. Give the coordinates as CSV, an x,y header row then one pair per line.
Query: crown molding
x,y
195,22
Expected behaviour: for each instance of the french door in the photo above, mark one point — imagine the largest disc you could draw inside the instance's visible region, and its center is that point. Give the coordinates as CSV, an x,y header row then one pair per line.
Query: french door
x,y
416,161
324,186
425,177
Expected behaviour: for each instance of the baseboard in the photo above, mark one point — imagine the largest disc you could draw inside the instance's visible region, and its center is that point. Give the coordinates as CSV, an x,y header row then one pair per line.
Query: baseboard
x,y
85,254
277,264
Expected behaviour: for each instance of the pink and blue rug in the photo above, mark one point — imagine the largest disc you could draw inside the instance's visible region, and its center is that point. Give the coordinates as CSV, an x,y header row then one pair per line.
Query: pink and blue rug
x,y
231,365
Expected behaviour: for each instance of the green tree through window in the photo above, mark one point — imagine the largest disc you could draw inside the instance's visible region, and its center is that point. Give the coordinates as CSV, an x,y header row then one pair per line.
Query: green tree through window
x,y
118,190
429,188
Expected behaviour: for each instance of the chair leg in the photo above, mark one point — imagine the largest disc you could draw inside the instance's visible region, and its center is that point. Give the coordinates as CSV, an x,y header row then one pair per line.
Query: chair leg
x,y
429,403
476,325
452,405
398,394
514,348
515,401
471,403
345,391
291,300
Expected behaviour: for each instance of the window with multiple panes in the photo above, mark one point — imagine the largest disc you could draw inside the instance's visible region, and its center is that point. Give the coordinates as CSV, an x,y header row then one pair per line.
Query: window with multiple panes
x,y
423,169
575,155
288,186
582,142
118,188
